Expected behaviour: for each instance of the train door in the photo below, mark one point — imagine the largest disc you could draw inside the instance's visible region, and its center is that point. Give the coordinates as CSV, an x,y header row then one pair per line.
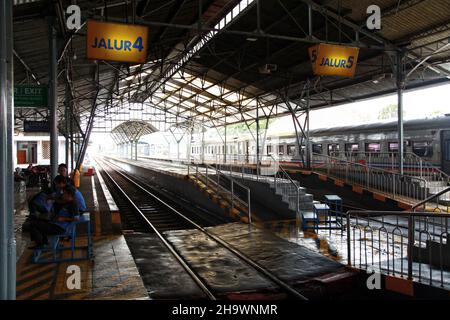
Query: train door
x,y
445,150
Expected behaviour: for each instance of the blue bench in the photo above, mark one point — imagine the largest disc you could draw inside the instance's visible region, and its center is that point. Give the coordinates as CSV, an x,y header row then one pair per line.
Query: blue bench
x,y
310,217
55,247
335,204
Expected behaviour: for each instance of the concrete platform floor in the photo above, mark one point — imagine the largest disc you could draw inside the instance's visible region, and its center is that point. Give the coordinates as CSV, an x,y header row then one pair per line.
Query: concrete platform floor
x,y
111,275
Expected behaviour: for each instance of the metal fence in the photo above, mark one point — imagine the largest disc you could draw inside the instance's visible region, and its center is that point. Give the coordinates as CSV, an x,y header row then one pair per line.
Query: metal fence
x,y
224,185
383,181
264,169
411,245
413,165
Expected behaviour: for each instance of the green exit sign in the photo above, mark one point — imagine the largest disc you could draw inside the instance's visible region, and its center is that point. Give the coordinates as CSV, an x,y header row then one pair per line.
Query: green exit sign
x,y
30,96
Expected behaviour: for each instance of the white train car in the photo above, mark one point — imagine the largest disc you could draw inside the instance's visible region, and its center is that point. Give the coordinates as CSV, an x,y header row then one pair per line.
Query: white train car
x,y
428,139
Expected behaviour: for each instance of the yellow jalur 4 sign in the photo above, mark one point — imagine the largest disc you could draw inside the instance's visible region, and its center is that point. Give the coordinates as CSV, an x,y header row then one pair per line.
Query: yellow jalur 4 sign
x,y
116,42
333,60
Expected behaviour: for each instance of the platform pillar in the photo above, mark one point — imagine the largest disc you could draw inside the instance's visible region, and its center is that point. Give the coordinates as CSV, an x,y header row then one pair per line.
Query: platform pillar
x,y
66,121
53,98
257,138
72,166
400,85
308,142
203,145
7,238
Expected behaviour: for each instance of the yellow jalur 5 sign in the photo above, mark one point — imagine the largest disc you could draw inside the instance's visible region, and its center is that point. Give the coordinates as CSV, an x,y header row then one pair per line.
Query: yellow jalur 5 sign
x,y
116,42
333,60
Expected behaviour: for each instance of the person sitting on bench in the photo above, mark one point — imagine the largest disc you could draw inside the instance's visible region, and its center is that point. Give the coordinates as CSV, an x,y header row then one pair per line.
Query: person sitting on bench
x,y
66,209
62,173
60,184
41,204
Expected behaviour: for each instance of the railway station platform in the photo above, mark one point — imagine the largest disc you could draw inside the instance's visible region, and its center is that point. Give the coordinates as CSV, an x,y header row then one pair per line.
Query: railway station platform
x,y
110,274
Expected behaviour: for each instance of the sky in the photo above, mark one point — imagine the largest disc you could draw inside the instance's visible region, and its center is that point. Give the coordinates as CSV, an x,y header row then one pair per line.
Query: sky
x,y
418,104
428,102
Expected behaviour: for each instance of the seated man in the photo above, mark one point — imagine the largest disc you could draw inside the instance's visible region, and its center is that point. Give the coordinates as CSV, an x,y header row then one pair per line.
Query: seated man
x,y
67,211
79,199
59,185
41,205
62,172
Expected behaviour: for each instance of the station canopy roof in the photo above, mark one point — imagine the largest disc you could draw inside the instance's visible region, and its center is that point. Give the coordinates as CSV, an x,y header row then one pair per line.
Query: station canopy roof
x,y
212,62
131,131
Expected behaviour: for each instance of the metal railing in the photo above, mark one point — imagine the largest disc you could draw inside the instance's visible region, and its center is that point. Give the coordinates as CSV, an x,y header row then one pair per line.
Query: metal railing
x,y
437,202
383,181
411,245
224,185
413,165
264,169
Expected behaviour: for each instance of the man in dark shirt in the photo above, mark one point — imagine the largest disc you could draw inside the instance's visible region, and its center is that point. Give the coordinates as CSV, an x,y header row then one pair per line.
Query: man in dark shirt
x,y
66,211
62,172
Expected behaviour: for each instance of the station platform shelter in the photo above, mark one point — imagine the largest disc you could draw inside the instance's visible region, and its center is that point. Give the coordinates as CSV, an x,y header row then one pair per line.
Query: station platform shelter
x,y
141,157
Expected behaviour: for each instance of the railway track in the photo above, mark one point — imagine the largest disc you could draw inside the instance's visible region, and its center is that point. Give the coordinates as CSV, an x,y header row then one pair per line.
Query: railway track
x,y
147,212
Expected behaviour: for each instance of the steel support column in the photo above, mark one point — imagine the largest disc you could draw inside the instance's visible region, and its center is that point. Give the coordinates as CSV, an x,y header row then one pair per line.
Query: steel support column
x,y
136,150
225,139
308,142
257,137
72,163
400,86
203,144
66,121
53,101
7,238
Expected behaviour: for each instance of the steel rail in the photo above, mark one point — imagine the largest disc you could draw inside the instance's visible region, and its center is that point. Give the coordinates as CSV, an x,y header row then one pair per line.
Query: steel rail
x,y
223,243
172,250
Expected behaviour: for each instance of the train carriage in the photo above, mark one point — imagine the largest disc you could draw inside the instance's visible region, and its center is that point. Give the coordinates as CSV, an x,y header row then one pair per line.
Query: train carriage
x,y
426,139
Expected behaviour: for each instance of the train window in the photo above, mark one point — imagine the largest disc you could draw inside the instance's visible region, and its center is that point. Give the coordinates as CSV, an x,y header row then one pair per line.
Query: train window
x,y
291,149
281,149
333,148
302,150
269,149
393,146
351,148
422,148
373,147
317,148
